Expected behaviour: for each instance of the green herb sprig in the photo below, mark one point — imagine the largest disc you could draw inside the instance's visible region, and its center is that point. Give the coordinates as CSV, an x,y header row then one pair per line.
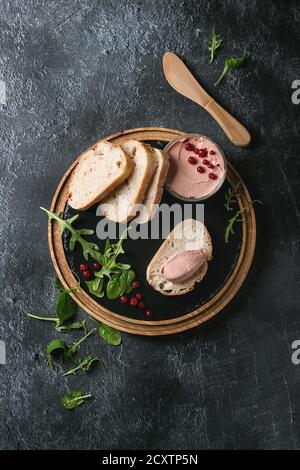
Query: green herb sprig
x,y
110,335
65,309
215,43
232,63
75,399
119,275
58,349
84,364
237,218
78,325
231,195
89,249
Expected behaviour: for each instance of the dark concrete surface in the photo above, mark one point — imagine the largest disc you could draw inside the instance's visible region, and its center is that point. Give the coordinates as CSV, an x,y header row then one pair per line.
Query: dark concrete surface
x,y
75,71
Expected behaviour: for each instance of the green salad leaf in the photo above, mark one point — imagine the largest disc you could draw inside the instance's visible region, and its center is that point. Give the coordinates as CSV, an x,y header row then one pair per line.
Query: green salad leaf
x,y
84,364
59,350
118,275
58,284
233,63
229,230
231,196
65,306
74,399
110,335
215,43
78,325
89,249
56,349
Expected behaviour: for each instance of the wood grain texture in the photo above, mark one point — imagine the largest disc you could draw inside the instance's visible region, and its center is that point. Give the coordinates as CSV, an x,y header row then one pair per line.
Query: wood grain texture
x,y
164,327
181,79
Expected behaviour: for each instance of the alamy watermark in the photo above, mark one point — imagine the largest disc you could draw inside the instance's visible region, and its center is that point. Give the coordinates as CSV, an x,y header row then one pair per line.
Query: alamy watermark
x,y
155,225
296,353
2,92
296,93
2,353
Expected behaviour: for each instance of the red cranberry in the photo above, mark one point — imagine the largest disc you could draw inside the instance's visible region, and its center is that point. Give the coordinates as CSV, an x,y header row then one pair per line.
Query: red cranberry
x,y
83,267
138,296
200,169
202,152
135,284
212,176
205,162
141,305
86,273
96,266
123,299
148,313
188,146
211,166
133,302
192,160
212,152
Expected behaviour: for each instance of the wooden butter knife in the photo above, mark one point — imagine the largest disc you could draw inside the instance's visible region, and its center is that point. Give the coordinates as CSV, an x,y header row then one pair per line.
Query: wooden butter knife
x,y
181,79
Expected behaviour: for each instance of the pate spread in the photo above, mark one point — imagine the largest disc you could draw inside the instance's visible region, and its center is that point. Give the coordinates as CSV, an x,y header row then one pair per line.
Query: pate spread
x,y
183,265
197,167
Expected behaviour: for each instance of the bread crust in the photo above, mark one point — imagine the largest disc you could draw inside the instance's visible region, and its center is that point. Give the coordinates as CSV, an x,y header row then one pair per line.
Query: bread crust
x,y
153,271
151,161
163,168
128,168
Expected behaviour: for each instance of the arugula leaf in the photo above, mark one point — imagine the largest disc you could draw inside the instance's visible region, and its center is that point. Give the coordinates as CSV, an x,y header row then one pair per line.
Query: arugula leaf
x,y
76,346
231,195
75,399
118,282
215,43
233,63
237,218
114,251
110,335
56,349
84,364
89,249
65,306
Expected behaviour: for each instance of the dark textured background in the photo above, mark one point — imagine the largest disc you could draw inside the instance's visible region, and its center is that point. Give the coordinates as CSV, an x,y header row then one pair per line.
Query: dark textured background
x,y
75,71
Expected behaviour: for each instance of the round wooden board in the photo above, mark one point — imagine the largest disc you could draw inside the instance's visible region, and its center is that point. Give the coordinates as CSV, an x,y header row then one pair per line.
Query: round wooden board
x,y
162,327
